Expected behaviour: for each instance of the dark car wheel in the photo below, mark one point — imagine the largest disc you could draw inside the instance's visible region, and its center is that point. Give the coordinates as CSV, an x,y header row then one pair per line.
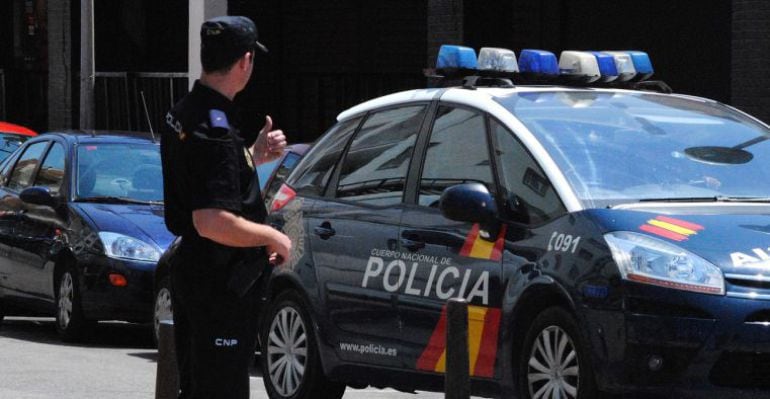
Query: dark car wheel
x,y
70,323
555,361
163,308
290,361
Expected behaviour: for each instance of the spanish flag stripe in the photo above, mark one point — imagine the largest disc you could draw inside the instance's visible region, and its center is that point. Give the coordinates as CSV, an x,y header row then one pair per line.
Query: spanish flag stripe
x,y
671,227
470,240
497,251
682,223
476,317
485,365
482,249
662,232
434,351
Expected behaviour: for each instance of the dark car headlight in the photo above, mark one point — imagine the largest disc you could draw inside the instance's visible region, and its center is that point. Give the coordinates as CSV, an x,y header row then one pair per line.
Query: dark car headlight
x,y
648,260
124,247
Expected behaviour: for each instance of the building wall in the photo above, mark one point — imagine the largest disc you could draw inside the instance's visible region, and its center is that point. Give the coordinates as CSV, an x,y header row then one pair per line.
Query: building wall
x,y
751,57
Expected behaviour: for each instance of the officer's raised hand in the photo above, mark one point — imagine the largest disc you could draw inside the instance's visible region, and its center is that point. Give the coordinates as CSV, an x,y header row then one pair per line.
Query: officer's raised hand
x,y
270,143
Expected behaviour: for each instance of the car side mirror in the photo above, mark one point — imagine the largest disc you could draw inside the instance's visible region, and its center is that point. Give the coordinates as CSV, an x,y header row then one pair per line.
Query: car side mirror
x,y
469,202
38,196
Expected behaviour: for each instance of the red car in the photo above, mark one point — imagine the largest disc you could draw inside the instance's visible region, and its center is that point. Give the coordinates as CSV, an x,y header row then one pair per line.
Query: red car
x,y
11,137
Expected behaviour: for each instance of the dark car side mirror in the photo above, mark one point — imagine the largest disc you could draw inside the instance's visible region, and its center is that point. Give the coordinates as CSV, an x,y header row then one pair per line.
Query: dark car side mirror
x,y
469,202
38,196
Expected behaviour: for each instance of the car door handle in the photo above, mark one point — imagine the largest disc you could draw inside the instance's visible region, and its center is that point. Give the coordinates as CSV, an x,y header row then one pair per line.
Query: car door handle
x,y
324,231
412,245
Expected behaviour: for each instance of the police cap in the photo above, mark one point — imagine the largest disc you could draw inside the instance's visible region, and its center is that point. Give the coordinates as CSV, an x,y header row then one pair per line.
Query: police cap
x,y
227,38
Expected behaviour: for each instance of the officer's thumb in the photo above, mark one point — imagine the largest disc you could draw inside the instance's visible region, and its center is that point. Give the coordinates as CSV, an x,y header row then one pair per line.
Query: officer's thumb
x,y
268,124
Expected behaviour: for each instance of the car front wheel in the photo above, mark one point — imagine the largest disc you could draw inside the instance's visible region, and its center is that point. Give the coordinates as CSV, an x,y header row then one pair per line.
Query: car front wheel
x,y
554,362
70,323
290,359
163,308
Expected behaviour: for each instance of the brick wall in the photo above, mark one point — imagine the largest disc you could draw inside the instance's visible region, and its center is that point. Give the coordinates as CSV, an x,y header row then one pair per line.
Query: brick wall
x,y
445,21
751,57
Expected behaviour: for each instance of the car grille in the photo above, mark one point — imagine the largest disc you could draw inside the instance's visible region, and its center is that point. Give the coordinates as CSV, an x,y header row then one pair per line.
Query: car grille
x,y
741,370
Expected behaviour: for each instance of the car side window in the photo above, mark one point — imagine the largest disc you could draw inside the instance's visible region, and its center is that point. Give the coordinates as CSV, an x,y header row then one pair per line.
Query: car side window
x,y
374,168
527,190
457,153
5,168
51,173
314,171
22,173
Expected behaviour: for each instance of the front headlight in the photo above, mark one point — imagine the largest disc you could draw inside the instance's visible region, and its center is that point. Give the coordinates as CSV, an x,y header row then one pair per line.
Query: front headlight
x,y
648,260
125,247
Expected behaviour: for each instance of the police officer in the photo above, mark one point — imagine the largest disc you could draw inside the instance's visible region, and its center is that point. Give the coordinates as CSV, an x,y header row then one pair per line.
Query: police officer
x,y
212,201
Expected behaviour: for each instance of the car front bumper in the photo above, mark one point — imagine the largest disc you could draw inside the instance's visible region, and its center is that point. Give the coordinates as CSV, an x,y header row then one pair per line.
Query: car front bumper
x,y
103,301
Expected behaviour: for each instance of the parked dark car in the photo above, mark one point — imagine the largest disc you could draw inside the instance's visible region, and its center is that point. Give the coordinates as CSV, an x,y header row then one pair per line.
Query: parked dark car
x,y
271,175
81,228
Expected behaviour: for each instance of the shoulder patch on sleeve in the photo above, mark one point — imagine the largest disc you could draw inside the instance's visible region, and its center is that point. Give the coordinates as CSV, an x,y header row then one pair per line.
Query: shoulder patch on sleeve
x,y
218,119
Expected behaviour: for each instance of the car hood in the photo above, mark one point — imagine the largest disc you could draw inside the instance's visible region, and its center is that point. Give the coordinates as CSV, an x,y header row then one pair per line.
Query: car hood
x,y
144,222
735,237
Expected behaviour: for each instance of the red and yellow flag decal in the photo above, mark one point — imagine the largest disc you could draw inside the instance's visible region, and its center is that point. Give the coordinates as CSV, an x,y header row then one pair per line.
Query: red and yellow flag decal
x,y
477,247
483,328
673,229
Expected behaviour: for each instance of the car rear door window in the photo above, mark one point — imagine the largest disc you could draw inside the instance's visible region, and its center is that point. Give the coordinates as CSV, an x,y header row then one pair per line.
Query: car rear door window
x,y
23,172
457,153
313,173
374,169
526,189
51,174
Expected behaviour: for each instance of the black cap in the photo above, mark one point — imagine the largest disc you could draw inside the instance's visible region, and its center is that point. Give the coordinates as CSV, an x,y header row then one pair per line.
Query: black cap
x,y
230,36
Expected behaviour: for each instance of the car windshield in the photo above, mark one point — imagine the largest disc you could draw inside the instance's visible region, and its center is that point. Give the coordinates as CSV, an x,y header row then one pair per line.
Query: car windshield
x,y
620,147
9,143
117,172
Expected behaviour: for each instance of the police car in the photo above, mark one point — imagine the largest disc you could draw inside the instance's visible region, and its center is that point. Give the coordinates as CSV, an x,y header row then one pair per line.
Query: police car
x,y
609,236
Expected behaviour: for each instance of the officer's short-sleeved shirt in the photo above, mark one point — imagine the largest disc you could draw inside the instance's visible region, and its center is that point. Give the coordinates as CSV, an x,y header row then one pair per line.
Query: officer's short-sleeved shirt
x,y
205,162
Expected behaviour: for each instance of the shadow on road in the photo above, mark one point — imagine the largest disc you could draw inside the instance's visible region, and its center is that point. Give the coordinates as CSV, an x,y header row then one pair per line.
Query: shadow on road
x,y
116,335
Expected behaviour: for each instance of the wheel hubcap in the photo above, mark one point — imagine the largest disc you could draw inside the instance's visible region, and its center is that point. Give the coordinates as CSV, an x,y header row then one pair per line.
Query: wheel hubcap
x,y
66,293
553,370
287,351
163,309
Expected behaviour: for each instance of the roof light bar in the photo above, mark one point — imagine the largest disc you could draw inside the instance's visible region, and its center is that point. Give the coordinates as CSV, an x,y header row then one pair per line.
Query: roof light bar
x,y
623,64
538,62
579,65
497,59
642,64
607,67
456,57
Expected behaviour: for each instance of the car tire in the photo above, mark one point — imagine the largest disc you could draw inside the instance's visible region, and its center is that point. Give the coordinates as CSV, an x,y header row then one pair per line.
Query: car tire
x,y
163,308
554,361
70,322
289,346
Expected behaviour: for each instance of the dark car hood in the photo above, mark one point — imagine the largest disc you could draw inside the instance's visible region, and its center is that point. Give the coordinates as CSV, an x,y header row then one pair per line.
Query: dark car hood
x,y
144,222
735,237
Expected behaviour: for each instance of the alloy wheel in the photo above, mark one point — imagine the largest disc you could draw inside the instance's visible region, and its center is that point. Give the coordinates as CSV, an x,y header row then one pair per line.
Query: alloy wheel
x,y
287,348
553,366
66,298
163,309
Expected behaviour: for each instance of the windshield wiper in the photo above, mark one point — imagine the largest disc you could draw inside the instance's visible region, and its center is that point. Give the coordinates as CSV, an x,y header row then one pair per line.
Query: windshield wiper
x,y
716,198
117,200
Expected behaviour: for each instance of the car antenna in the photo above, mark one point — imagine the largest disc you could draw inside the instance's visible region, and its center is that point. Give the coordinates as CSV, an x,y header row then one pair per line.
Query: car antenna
x,y
147,115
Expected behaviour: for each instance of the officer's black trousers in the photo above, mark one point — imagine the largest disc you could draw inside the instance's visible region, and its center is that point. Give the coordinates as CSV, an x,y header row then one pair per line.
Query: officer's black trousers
x,y
215,330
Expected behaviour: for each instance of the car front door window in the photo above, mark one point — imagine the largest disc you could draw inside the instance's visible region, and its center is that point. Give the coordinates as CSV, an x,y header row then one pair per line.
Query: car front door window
x,y
51,174
23,172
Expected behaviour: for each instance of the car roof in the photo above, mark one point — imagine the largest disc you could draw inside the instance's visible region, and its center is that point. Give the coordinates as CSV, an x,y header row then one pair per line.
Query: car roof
x,y
476,96
6,127
102,136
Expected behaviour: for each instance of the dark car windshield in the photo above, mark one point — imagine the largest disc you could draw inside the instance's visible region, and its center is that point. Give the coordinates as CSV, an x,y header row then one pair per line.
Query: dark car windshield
x,y
619,147
9,143
112,172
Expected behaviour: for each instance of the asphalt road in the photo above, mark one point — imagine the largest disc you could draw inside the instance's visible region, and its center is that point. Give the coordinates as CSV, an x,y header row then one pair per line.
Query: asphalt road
x,y
118,362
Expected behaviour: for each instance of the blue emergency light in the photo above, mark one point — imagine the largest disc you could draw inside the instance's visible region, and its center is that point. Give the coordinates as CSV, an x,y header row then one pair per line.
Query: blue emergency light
x,y
456,57
642,64
538,62
607,67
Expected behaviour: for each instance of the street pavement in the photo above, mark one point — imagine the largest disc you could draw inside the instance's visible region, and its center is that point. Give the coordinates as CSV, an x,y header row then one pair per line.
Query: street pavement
x,y
118,361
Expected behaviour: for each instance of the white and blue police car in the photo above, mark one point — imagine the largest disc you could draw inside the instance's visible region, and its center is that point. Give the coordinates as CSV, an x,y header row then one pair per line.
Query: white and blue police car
x,y
608,235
